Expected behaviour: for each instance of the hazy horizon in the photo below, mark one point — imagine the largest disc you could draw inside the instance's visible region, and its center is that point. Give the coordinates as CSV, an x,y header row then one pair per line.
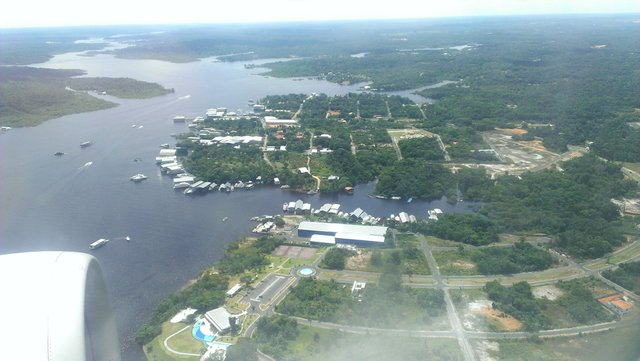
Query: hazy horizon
x,y
66,13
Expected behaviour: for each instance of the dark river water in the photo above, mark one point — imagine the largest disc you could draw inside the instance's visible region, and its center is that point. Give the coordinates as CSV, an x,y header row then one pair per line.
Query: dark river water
x,y
65,203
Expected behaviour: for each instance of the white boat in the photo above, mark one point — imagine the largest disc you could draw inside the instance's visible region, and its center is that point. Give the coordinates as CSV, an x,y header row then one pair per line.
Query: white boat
x,y
138,177
182,185
189,190
86,144
164,145
225,219
99,243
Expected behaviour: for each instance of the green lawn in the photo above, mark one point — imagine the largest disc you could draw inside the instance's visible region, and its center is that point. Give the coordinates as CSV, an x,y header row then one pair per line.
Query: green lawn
x,y
182,342
455,263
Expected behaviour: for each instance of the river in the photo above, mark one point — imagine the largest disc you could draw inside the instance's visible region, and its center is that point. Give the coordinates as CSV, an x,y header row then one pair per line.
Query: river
x,y
65,203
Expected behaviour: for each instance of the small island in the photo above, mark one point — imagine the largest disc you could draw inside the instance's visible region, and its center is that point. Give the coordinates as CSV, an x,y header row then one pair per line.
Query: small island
x,y
30,96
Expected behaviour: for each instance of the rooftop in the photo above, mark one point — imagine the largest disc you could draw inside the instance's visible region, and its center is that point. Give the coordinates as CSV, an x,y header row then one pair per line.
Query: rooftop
x,y
219,318
342,228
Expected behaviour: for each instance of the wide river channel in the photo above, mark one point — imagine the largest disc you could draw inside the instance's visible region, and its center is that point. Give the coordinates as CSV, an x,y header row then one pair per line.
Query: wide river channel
x,y
65,203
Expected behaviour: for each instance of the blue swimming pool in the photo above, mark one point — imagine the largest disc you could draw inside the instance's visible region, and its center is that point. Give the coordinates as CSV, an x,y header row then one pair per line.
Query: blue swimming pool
x,y
198,335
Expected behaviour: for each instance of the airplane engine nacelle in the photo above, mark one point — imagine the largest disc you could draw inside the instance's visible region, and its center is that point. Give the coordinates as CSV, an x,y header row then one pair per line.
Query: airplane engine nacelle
x,y
54,306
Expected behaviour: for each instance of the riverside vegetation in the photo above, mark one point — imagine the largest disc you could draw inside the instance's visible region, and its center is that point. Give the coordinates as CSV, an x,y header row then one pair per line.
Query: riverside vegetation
x,y
30,96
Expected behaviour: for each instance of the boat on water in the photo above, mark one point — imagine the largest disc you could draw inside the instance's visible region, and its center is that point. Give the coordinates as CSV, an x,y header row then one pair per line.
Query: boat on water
x,y
164,145
138,177
86,144
410,200
182,185
225,219
99,243
396,198
58,154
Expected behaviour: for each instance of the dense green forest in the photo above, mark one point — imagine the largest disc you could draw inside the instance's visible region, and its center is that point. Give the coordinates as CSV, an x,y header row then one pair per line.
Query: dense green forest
x,y
416,178
421,148
125,88
32,46
521,257
29,96
466,228
572,204
627,276
226,164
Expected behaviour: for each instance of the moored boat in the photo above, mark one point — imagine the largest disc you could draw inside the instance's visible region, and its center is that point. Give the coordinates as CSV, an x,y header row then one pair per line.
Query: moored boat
x,y
138,177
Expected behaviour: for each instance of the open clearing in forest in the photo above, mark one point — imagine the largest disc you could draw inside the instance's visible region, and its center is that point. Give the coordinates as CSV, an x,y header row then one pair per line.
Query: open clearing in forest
x,y
480,316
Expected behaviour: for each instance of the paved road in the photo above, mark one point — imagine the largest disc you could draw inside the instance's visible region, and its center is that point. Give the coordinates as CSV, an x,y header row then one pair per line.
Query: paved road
x,y
454,319
597,274
447,157
457,331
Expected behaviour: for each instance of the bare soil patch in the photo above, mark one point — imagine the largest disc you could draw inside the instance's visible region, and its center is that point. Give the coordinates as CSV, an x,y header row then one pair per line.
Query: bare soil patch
x,y
463,264
549,292
359,261
507,322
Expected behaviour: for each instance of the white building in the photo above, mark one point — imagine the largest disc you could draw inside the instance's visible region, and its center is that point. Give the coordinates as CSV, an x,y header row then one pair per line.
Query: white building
x,y
219,318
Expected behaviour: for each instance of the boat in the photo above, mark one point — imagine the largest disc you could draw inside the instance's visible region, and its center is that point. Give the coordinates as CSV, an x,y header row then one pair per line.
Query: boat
x,y
225,219
138,177
409,200
182,185
396,198
86,144
99,243
189,190
58,154
164,145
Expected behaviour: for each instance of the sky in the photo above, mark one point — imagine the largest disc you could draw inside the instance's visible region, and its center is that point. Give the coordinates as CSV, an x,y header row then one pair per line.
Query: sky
x,y
40,13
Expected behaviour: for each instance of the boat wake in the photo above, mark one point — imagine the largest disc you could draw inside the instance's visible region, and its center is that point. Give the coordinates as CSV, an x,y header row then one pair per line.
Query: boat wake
x,y
87,164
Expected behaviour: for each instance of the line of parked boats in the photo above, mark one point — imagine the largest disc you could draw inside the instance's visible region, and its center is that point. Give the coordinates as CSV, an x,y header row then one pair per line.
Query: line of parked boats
x,y
168,162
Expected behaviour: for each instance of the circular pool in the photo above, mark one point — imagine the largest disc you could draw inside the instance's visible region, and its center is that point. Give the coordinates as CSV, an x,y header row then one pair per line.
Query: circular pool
x,y
306,271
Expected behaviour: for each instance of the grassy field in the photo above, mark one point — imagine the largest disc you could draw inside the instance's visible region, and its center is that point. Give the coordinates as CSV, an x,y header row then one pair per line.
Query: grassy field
x,y
547,276
618,257
315,344
413,266
455,263
620,344
438,242
182,342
